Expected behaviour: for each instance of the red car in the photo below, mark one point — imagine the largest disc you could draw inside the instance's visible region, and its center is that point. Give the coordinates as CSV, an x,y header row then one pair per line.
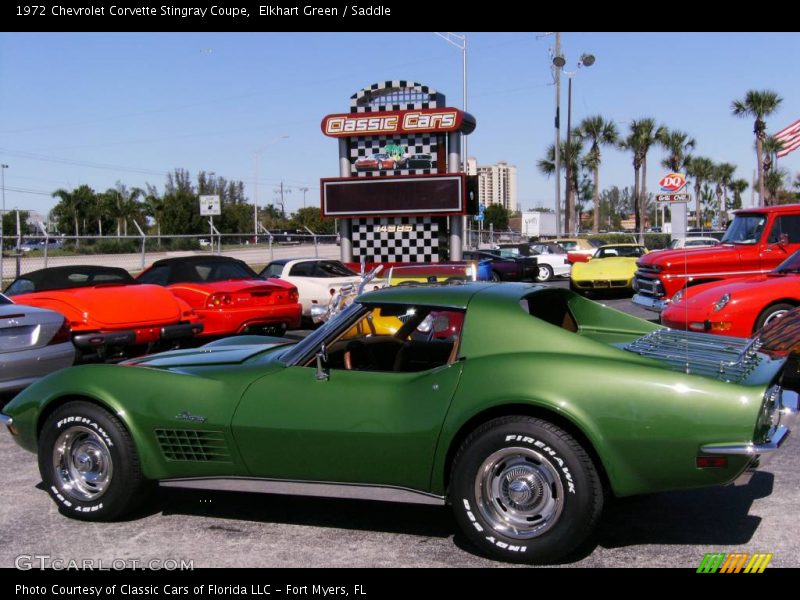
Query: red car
x,y
737,307
376,162
229,296
110,314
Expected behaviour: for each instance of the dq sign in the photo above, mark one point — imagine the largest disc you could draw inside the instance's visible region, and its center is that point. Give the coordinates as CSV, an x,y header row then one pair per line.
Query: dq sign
x,y
672,182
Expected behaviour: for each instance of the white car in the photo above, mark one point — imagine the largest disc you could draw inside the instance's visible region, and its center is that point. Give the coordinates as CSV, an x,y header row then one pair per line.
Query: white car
x,y
317,279
548,264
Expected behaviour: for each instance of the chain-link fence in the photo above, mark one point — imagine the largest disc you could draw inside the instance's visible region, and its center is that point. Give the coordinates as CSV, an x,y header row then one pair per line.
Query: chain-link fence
x,y
134,253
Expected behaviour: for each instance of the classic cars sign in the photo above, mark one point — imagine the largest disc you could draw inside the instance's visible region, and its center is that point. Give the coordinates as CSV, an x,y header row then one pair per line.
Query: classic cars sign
x,y
430,120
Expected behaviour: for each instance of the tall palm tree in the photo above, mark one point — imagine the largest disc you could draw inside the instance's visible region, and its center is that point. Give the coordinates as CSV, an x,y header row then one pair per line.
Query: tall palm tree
x,y
737,188
154,207
722,177
74,205
597,132
700,169
758,104
678,145
644,133
771,147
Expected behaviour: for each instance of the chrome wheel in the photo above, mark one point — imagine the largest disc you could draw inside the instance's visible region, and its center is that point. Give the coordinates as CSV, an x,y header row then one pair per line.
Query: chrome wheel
x,y
519,493
82,463
776,315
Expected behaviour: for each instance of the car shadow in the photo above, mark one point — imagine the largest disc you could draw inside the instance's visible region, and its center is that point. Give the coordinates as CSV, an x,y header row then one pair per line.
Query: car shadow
x,y
709,516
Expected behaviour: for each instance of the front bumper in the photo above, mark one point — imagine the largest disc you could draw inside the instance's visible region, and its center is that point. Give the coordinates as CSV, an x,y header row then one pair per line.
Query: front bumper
x,y
788,408
650,303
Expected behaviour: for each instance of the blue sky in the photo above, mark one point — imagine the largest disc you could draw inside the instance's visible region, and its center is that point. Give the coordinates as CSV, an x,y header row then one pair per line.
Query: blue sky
x,y
95,108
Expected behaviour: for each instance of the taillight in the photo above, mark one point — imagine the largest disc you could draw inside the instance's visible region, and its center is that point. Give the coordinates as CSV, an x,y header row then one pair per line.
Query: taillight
x,y
64,334
294,296
219,300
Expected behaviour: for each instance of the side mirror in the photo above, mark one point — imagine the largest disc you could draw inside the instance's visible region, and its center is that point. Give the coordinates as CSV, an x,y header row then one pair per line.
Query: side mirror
x,y
322,374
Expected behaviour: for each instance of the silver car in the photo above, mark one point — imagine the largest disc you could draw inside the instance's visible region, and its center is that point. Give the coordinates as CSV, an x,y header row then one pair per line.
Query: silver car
x,y
33,343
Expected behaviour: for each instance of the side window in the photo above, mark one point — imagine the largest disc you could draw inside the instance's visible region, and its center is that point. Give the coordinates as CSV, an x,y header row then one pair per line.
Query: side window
x,y
273,270
400,339
156,276
788,224
21,286
303,269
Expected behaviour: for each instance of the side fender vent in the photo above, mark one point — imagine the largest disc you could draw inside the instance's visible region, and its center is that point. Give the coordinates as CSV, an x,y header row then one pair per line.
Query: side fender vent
x,y
193,445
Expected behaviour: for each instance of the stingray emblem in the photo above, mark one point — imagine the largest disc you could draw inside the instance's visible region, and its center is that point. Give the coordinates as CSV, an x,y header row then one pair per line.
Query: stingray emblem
x,y
187,416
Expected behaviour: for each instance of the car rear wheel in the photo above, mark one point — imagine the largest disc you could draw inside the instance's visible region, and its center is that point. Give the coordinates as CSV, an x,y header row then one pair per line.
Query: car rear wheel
x,y
495,276
524,490
89,464
543,273
769,314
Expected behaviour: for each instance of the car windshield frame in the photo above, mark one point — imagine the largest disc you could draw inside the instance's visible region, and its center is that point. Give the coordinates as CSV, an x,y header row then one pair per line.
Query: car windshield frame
x,y
298,353
751,225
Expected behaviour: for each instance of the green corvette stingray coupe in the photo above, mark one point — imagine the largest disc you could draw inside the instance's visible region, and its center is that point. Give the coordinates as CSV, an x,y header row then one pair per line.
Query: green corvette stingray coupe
x,y
521,406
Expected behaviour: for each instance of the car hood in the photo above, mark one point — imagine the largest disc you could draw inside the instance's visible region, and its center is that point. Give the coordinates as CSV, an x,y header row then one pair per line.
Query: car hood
x,y
614,266
698,256
211,354
113,306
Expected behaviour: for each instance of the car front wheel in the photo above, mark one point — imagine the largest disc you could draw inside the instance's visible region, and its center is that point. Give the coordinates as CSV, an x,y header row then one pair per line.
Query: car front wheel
x,y
89,464
769,314
524,490
543,273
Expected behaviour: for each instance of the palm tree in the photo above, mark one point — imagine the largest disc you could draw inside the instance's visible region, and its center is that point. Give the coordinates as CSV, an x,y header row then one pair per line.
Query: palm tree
x,y
598,132
701,169
677,144
771,147
758,104
722,176
643,135
774,182
74,205
547,166
154,207
737,188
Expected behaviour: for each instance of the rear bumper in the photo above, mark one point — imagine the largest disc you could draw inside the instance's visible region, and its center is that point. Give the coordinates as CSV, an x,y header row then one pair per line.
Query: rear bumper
x,y
237,320
788,407
650,303
132,337
20,369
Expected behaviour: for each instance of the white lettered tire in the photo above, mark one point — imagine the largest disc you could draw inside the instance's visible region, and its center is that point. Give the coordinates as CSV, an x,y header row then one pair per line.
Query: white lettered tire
x,y
88,463
524,490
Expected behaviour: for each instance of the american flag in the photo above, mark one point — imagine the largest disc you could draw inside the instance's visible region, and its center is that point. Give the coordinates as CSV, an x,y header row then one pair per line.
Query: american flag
x,y
790,136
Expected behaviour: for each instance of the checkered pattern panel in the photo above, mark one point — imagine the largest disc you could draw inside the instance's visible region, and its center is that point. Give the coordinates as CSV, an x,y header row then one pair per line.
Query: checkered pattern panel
x,y
425,143
400,94
375,240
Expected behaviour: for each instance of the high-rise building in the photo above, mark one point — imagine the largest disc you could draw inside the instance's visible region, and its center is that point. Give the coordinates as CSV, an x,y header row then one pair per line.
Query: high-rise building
x,y
497,184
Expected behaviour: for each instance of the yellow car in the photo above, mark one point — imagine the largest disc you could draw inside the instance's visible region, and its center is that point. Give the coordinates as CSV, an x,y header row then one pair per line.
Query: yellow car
x,y
611,268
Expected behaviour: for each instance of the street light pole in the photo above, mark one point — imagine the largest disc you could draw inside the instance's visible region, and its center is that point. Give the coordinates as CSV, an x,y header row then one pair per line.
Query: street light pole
x,y
2,216
304,190
558,63
450,38
257,160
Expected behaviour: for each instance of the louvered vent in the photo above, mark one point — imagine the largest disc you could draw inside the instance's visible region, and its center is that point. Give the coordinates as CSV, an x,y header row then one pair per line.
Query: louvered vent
x,y
197,446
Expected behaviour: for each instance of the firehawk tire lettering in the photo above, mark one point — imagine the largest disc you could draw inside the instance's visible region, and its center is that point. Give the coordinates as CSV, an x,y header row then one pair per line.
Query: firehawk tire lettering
x,y
527,490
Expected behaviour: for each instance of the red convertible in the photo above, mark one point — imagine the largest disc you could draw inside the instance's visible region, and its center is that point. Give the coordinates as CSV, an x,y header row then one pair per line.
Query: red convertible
x,y
110,315
737,307
229,296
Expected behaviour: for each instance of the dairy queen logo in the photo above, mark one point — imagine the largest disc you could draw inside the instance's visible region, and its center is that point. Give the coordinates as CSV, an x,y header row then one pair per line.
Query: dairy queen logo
x,y
672,182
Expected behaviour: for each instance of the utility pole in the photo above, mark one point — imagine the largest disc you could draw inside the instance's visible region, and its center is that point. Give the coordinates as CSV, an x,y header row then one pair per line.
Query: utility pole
x,y
558,63
281,191
304,190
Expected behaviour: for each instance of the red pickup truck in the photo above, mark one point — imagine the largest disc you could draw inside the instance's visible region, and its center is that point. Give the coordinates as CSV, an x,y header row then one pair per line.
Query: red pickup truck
x,y
757,240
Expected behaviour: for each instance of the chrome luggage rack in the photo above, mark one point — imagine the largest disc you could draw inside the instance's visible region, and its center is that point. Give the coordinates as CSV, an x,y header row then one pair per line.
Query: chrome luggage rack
x,y
726,358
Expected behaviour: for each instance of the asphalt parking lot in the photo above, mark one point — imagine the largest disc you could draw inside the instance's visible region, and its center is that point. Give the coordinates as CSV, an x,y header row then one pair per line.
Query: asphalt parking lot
x,y
248,530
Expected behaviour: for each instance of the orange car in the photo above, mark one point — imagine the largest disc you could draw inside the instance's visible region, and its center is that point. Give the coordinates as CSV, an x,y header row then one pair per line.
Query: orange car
x,y
110,315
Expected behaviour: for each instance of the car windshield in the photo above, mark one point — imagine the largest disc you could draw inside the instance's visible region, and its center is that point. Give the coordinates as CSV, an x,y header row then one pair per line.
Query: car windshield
x,y
210,271
790,265
745,229
314,339
623,251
